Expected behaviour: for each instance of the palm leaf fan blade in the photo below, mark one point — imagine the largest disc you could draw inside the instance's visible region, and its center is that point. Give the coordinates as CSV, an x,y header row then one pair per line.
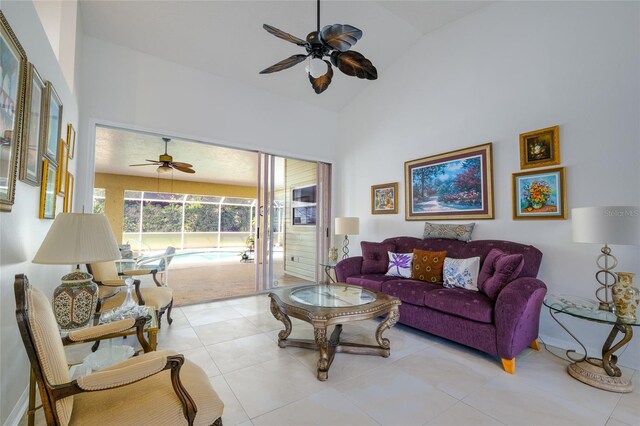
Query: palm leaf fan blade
x,y
285,36
340,36
321,83
284,64
181,164
354,64
183,169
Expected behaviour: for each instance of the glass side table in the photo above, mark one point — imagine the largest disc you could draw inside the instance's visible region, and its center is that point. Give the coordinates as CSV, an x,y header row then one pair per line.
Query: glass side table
x,y
328,267
602,373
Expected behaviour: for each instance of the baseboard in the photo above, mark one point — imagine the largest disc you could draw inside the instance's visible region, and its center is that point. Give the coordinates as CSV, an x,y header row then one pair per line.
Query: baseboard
x,y
18,410
592,351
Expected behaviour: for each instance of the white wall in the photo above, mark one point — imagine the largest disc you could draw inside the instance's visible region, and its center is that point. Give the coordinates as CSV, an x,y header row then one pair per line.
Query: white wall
x,y
508,69
129,88
21,232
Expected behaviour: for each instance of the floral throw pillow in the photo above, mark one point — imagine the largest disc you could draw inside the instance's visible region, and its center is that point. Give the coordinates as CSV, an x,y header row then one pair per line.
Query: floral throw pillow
x,y
460,232
399,265
461,273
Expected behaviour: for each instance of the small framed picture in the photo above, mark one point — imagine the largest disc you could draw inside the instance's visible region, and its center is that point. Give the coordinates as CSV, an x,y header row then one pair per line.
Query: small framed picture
x,y
52,126
71,140
63,162
384,198
540,194
68,196
48,190
540,148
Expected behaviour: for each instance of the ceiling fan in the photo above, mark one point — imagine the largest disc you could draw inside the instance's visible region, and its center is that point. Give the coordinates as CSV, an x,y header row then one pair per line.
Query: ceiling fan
x,y
334,42
165,162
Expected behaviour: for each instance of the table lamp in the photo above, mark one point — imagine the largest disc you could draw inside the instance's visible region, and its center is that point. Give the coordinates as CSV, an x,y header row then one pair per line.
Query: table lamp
x,y
606,225
347,226
73,239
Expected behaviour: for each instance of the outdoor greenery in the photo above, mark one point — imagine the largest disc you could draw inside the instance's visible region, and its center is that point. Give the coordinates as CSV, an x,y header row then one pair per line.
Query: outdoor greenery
x,y
200,217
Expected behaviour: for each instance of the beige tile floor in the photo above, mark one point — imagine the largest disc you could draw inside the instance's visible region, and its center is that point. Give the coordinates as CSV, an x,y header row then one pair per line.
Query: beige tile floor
x,y
425,381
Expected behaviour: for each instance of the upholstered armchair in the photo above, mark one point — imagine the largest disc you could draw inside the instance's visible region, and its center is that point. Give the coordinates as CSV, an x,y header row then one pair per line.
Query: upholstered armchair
x,y
158,388
109,281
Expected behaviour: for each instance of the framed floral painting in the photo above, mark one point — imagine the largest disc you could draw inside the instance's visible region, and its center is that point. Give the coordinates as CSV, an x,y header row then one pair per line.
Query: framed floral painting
x,y
540,194
453,185
13,68
540,148
384,198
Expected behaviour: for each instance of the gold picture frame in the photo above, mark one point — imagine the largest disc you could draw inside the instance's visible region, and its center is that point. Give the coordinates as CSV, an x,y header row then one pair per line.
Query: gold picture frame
x,y
540,194
384,198
13,70
540,148
63,163
429,194
71,140
48,190
68,196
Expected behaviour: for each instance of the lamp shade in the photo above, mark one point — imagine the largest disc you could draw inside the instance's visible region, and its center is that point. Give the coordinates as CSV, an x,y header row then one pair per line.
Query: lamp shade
x,y
347,225
606,225
76,238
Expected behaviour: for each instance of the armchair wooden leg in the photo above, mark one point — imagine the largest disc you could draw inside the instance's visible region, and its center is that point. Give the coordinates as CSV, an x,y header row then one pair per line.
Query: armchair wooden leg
x,y
218,422
169,319
535,345
509,365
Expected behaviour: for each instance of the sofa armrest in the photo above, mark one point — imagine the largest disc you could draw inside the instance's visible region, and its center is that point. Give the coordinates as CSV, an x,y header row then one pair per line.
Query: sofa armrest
x,y
517,315
348,267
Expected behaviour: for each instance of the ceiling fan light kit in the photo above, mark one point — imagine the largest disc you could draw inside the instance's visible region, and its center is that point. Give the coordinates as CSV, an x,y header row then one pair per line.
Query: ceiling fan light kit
x,y
333,42
165,162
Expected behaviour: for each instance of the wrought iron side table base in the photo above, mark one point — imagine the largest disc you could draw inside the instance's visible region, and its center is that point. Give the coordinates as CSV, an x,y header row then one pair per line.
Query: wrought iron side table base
x,y
590,372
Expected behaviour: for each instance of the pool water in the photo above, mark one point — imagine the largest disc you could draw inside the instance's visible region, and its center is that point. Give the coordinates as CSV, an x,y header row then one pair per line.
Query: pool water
x,y
209,256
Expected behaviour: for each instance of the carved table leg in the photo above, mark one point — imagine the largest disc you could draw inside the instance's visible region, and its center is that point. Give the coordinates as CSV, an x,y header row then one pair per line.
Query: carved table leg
x,y
389,321
282,317
320,335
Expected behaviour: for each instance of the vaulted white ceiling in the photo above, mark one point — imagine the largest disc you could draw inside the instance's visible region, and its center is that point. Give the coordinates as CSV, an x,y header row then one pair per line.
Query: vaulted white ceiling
x,y
226,38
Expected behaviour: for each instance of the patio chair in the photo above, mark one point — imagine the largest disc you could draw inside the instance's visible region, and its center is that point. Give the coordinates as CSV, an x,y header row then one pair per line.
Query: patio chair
x,y
110,282
158,263
158,388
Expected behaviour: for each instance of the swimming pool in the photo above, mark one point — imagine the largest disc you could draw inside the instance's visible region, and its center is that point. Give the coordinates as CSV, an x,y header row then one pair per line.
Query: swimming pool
x,y
205,256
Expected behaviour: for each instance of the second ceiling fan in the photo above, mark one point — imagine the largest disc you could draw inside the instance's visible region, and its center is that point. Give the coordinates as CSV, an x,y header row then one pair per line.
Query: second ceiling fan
x,y
165,162
332,41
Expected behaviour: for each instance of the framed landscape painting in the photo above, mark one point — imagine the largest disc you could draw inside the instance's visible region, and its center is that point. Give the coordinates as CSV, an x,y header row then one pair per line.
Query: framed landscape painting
x,y
540,194
31,169
13,68
540,148
52,124
384,198
453,185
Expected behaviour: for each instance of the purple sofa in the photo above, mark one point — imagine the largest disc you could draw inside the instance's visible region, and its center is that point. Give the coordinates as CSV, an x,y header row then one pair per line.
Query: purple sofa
x,y
504,327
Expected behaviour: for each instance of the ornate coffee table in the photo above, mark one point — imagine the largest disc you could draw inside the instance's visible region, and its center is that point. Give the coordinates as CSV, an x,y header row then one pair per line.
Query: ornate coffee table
x,y
325,305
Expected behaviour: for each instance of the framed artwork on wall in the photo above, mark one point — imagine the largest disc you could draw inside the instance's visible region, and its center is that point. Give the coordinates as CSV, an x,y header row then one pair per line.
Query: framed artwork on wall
x,y
452,185
48,190
540,148
31,158
53,124
13,69
68,196
540,194
71,140
63,162
384,198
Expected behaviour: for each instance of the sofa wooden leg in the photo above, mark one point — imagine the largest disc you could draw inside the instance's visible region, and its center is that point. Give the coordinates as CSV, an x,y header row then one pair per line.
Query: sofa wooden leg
x,y
509,365
535,345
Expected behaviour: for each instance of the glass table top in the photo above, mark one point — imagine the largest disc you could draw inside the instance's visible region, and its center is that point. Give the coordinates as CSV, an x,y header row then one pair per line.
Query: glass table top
x,y
332,296
582,307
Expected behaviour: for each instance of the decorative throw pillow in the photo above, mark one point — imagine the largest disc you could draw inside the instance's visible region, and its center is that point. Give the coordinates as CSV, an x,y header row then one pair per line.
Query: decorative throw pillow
x,y
399,265
461,273
498,269
453,231
427,265
374,257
